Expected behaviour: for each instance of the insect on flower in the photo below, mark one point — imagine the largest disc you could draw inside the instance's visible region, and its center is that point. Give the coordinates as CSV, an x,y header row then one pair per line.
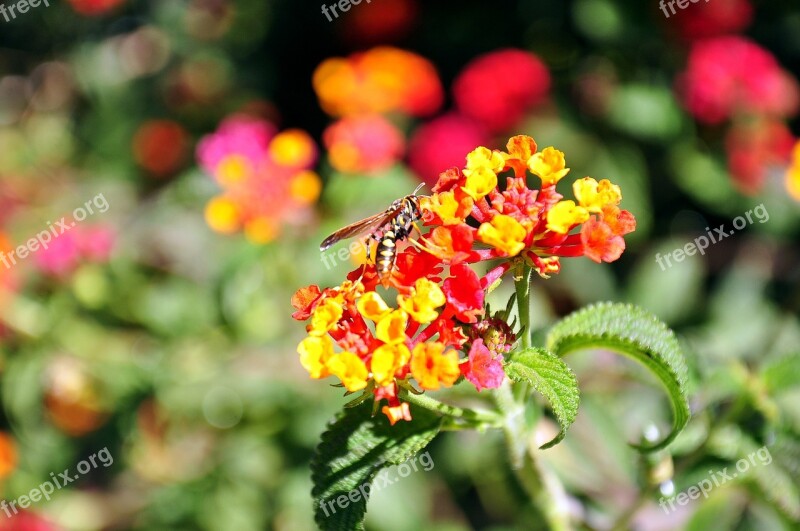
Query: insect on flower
x,y
386,228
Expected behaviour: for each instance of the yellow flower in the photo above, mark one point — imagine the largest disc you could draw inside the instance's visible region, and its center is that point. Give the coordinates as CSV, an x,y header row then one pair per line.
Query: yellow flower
x,y
387,360
484,158
564,215
325,317
425,298
593,196
372,306
521,148
261,230
292,147
793,182
392,328
432,367
305,187
314,353
222,215
504,233
449,210
480,182
549,165
233,169
350,369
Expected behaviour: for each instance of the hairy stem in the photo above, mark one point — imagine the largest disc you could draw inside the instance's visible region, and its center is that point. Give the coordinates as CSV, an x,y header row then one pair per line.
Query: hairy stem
x,y
545,490
523,290
458,417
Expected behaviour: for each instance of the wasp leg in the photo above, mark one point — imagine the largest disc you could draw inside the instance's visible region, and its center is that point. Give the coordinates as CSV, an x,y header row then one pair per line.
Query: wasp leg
x,y
421,246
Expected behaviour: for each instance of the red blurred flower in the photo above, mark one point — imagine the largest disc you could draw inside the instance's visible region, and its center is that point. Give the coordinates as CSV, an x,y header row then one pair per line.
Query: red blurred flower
x,y
755,147
712,19
160,146
726,76
364,143
380,22
23,520
499,88
441,143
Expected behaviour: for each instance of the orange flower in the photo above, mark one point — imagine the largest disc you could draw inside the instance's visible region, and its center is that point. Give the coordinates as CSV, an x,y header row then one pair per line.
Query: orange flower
x,y
432,367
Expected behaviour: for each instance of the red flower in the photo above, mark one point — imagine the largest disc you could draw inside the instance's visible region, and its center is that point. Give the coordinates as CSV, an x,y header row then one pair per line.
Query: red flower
x,y
712,19
464,293
497,89
441,143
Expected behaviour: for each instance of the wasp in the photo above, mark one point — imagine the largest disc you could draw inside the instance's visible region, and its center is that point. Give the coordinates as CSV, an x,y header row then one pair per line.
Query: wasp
x,y
387,228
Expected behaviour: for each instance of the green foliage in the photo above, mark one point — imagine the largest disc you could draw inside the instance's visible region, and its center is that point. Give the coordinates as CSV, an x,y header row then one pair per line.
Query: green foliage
x,y
353,450
553,379
635,333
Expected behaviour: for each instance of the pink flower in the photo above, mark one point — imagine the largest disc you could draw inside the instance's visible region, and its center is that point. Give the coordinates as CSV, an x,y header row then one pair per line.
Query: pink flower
x,y
365,143
80,244
499,88
61,257
483,368
726,76
239,135
441,144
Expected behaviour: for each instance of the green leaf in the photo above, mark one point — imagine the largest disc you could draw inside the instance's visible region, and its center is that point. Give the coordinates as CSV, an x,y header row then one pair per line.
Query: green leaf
x,y
353,450
553,379
781,375
636,333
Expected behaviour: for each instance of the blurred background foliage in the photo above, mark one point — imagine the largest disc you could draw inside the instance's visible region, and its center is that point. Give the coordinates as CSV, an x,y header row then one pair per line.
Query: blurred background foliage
x,y
161,328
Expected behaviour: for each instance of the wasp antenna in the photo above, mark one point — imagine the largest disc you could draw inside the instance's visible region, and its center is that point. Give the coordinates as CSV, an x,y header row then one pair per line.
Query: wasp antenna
x,y
418,188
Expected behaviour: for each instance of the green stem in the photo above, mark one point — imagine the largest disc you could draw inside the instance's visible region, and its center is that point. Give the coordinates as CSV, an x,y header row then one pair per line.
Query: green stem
x,y
523,289
458,418
541,484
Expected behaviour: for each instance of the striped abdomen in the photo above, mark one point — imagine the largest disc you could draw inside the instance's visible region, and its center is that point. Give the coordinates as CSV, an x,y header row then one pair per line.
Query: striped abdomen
x,y
399,228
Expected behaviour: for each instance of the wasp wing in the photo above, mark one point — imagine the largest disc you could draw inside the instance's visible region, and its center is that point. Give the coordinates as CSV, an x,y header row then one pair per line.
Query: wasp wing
x,y
366,225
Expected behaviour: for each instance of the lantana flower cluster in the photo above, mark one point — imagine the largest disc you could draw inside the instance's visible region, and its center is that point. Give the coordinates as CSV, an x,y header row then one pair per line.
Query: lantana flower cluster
x,y
265,176
436,328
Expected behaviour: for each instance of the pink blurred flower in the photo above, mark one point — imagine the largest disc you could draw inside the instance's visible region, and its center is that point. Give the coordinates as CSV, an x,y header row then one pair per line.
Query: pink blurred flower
x,y
441,144
712,19
80,244
61,257
483,368
366,143
755,147
726,76
266,178
239,135
94,7
497,89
